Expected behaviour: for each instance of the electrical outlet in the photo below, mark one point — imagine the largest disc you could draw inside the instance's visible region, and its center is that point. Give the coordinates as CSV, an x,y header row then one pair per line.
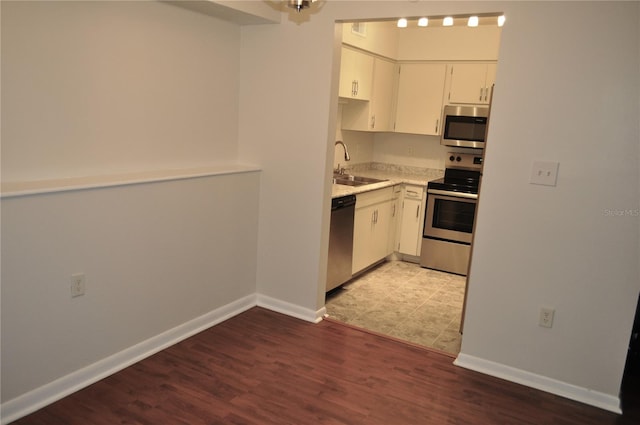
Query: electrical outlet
x,y
78,284
546,317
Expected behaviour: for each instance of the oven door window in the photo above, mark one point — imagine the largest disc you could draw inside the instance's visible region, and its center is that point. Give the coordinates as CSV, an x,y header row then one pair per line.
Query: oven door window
x,y
449,218
454,215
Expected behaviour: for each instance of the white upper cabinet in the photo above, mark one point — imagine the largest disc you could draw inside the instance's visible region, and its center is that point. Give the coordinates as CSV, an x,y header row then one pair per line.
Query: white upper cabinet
x,y
382,96
419,103
397,80
471,82
375,115
356,74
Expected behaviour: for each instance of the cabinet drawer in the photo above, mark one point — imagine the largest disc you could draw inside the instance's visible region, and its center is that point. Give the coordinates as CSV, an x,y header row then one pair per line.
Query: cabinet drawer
x,y
373,197
413,192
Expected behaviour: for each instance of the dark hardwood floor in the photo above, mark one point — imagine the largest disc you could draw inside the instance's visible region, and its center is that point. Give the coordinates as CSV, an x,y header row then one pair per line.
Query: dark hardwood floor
x,y
265,368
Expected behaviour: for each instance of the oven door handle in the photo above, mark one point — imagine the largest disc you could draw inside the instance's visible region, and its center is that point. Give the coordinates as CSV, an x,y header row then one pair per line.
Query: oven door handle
x,y
453,194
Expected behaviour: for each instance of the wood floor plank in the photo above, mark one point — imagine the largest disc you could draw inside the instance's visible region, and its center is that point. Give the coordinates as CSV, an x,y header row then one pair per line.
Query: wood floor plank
x,y
262,368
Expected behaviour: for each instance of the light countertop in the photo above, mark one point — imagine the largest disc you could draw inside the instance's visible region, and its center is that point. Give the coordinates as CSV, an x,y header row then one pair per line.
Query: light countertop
x,y
392,174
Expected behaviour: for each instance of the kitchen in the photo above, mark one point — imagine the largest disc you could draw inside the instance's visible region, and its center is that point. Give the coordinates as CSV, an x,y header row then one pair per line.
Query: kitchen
x,y
412,289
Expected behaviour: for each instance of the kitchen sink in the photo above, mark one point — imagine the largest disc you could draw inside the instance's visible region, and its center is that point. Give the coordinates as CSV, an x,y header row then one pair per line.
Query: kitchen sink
x,y
351,180
346,182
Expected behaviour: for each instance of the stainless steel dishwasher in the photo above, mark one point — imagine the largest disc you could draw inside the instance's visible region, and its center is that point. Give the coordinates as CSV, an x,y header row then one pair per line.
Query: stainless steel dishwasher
x,y
340,241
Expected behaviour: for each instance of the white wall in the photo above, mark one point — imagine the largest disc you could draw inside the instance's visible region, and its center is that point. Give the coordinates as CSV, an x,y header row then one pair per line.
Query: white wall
x,y
558,246
381,38
113,87
96,88
449,43
535,245
285,99
154,255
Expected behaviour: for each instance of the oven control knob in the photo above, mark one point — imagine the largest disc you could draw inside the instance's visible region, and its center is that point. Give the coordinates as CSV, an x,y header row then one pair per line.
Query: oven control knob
x,y
458,159
452,158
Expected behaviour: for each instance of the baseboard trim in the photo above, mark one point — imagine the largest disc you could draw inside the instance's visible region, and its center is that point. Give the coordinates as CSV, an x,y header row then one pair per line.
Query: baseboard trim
x,y
62,387
539,382
289,309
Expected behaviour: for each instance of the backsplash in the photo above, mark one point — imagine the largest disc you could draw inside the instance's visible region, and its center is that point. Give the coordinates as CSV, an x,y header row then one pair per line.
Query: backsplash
x,y
429,173
410,150
406,151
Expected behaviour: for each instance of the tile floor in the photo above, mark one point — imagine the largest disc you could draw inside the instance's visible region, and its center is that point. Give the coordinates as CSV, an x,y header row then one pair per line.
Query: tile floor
x,y
403,300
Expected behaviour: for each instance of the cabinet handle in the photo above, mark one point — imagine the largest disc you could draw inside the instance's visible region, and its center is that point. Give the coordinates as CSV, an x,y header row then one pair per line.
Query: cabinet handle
x,y
393,214
486,93
480,98
437,123
353,88
373,121
417,211
413,192
357,87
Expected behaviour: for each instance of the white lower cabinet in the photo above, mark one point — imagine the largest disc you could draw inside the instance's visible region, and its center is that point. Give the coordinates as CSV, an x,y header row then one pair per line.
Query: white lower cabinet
x,y
372,227
411,220
396,209
387,220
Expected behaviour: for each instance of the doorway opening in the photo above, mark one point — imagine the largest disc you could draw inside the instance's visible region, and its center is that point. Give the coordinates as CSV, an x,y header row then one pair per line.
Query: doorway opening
x,y
392,128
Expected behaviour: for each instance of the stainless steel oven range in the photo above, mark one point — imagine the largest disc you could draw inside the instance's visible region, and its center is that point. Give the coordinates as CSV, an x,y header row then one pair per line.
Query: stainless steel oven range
x,y
450,212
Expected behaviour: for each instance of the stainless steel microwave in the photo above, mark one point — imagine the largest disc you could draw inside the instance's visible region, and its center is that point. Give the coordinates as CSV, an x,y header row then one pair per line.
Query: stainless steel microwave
x,y
465,126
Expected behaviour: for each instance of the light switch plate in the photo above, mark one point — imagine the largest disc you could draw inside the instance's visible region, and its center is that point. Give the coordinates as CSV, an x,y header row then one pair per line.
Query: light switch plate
x,y
544,173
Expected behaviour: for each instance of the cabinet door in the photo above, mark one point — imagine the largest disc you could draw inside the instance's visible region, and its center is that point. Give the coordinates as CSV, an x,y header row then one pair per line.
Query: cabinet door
x,y
363,223
468,83
371,228
419,104
381,230
374,115
347,77
396,209
410,234
491,79
356,74
382,95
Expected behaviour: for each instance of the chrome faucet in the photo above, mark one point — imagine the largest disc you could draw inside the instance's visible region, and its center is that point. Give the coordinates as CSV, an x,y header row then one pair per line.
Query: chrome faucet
x,y
346,152
346,156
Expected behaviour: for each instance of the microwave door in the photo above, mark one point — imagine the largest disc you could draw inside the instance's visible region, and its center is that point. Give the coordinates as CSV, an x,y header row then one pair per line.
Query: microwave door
x,y
464,126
